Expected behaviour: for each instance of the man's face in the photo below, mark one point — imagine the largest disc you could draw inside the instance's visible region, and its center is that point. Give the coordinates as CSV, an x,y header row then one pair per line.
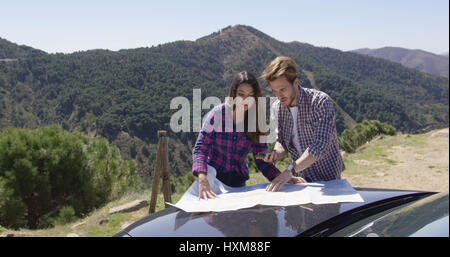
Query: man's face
x,y
284,91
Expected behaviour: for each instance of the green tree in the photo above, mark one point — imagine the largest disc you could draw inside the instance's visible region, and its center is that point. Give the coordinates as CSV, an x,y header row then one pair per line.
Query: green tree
x,y
45,169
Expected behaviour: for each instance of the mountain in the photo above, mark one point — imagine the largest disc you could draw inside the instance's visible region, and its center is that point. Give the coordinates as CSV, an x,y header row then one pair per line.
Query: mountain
x,y
125,95
416,59
10,51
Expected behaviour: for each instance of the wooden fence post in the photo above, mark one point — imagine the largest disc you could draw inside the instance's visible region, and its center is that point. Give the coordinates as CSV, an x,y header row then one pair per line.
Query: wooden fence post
x,y
161,166
165,171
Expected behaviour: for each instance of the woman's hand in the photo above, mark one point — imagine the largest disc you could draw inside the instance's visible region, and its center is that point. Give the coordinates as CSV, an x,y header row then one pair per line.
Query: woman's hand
x,y
204,190
273,156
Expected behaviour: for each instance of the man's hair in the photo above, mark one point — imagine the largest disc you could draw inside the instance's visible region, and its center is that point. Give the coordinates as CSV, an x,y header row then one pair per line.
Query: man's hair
x,y
280,66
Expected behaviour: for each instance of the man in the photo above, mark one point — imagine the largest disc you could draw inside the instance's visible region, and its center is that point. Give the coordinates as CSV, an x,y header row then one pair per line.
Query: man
x,y
306,128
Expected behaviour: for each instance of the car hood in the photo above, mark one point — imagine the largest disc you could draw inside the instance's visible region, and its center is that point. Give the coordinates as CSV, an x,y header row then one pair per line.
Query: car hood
x,y
261,221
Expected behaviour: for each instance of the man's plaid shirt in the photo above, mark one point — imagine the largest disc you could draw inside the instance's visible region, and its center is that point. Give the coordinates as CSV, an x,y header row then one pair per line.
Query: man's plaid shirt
x,y
227,151
317,133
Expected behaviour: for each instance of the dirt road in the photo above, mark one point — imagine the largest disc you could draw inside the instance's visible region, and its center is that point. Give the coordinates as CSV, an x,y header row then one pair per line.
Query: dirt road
x,y
418,162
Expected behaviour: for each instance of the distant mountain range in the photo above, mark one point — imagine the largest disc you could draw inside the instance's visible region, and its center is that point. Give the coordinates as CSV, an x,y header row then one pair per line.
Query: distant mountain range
x,y
125,95
416,59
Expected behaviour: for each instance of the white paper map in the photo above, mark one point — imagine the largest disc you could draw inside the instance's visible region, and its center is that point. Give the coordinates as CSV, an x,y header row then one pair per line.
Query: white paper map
x,y
234,198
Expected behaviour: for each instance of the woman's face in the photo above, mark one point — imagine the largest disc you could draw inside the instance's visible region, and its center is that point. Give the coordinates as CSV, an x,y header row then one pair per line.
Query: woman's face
x,y
245,91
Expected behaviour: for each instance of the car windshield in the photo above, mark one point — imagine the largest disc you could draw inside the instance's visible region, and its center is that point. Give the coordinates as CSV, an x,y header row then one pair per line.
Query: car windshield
x,y
426,217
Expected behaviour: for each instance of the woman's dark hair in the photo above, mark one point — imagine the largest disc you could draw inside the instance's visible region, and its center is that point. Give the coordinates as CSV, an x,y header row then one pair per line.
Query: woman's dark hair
x,y
245,77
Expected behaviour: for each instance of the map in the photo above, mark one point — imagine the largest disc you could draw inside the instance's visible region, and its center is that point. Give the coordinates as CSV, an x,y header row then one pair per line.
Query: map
x,y
235,198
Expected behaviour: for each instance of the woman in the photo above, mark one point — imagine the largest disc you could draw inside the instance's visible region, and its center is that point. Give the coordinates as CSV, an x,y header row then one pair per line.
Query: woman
x,y
225,151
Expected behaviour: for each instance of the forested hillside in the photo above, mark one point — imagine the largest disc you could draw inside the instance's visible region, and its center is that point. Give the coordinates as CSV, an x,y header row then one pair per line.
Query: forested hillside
x,y
125,95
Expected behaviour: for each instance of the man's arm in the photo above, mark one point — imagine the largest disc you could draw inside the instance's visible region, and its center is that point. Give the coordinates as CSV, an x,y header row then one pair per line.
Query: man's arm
x,y
286,177
305,160
326,126
300,164
316,150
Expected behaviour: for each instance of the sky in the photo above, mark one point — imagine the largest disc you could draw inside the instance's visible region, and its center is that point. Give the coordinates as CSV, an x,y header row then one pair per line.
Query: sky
x,y
68,26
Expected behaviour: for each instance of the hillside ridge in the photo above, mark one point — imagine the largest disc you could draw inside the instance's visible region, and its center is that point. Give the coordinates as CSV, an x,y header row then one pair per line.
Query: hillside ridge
x,y
413,58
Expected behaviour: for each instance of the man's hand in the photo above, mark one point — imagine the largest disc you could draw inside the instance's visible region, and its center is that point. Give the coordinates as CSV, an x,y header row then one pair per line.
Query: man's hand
x,y
204,190
278,182
296,180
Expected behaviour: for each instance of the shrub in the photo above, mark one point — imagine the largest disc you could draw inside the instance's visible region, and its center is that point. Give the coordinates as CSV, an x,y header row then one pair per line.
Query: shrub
x,y
47,170
66,214
361,133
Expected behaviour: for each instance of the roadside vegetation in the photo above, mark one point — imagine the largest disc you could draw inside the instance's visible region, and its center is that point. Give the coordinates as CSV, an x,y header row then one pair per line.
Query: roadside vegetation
x,y
375,163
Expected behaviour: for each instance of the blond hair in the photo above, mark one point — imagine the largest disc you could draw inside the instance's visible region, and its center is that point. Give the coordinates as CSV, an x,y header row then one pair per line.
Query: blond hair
x,y
280,66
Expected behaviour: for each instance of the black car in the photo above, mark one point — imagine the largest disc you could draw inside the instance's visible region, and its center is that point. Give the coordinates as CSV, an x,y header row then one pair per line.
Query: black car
x,y
384,213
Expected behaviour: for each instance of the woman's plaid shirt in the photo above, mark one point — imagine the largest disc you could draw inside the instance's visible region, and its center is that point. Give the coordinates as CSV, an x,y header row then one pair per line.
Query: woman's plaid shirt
x,y
316,127
227,151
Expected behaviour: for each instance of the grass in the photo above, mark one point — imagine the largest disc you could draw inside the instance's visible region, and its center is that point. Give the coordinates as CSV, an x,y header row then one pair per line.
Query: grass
x,y
391,162
371,154
414,140
258,178
112,227
90,226
350,166
376,152
376,156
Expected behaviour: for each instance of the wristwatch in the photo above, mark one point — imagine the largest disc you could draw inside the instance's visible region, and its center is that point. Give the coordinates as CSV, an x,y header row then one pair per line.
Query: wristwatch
x,y
291,169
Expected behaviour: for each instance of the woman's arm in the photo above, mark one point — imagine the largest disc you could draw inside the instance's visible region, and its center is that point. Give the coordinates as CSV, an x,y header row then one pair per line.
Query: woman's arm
x,y
268,169
202,146
200,156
